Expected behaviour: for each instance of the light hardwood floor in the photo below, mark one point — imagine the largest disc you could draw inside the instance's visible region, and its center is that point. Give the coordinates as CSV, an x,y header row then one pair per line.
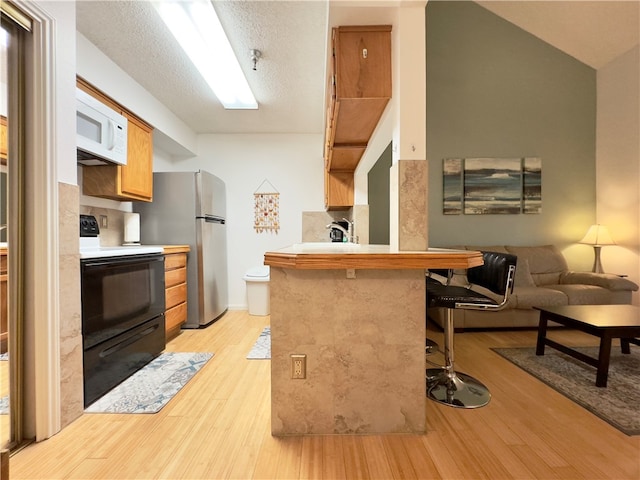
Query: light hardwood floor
x,y
218,427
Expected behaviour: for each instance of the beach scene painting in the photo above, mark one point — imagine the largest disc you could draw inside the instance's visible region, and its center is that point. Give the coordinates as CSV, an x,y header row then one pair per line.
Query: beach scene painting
x,y
492,186
532,185
452,186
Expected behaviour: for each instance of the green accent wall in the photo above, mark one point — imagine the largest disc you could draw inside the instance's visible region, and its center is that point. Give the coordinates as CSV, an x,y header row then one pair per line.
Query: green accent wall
x,y
378,188
493,90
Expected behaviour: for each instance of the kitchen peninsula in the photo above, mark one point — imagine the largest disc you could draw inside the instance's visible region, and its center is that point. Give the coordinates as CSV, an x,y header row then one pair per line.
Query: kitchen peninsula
x,y
357,314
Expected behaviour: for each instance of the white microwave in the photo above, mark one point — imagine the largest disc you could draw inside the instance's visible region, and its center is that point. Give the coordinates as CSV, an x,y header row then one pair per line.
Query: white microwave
x,y
101,132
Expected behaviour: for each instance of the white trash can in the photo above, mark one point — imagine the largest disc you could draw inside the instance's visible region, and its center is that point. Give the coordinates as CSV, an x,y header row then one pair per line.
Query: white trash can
x,y
257,279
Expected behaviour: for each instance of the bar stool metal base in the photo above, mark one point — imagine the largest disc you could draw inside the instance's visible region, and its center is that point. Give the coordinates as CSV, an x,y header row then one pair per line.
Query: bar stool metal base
x,y
456,389
431,346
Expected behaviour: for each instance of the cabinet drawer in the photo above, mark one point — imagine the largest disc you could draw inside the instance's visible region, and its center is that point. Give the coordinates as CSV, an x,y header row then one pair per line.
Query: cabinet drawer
x,y
177,260
176,316
175,295
174,277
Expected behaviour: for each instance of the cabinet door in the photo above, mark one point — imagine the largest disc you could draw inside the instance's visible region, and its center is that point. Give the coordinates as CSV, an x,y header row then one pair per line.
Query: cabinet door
x,y
363,62
175,279
4,141
137,177
4,332
338,190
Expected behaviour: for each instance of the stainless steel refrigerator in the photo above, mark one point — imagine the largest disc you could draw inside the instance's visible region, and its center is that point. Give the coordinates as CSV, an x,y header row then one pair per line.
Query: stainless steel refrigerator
x,y
189,208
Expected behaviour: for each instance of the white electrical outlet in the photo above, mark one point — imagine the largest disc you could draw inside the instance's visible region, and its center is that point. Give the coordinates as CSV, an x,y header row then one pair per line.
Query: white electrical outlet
x,y
298,366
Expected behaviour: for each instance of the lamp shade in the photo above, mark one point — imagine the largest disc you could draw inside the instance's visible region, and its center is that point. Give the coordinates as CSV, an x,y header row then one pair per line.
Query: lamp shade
x,y
598,235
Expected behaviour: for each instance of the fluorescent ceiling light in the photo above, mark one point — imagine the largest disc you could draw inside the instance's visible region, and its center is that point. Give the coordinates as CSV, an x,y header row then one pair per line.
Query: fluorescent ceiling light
x,y
198,30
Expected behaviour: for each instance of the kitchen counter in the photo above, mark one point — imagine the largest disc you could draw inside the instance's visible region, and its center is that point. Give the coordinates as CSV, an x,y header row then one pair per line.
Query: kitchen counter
x,y
325,255
169,249
357,313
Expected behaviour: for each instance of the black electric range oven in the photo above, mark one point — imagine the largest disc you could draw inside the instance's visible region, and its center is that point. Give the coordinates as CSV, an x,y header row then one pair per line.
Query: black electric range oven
x,y
123,327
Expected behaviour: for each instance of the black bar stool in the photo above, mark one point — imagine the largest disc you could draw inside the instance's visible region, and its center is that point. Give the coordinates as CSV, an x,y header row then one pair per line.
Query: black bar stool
x,y
445,385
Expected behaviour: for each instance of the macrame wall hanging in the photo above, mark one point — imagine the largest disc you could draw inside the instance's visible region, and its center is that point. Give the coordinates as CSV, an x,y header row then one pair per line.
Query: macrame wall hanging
x,y
267,208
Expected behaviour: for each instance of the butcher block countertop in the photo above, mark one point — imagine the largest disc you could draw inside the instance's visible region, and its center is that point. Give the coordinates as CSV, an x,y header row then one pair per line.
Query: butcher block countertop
x,y
331,256
168,249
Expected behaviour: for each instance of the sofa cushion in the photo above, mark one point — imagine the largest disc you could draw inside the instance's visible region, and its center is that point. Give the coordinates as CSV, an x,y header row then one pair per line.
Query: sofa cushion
x,y
523,274
605,280
546,262
529,297
584,294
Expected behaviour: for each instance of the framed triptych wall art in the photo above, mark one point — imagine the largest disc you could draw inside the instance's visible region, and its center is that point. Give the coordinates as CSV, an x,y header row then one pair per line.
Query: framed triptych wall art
x,y
483,186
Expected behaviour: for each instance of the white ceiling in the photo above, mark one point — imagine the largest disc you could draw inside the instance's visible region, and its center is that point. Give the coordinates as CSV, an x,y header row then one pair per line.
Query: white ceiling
x,y
292,35
594,32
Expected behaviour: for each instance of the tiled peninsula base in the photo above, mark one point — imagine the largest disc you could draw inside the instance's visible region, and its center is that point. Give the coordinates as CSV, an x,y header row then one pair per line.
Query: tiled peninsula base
x,y
363,338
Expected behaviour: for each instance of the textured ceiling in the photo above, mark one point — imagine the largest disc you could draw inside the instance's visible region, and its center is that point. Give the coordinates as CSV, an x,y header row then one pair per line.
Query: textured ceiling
x,y
288,81
292,36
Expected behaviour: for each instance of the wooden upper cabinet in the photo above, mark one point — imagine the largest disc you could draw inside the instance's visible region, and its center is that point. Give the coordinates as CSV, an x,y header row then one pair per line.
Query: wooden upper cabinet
x,y
137,176
133,181
360,86
362,59
338,190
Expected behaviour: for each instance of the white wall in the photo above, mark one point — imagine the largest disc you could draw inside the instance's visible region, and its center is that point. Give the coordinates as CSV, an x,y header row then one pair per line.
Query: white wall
x,y
291,163
618,162
64,87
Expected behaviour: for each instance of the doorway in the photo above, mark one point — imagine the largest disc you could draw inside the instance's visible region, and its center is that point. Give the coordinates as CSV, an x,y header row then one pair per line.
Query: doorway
x,y
15,28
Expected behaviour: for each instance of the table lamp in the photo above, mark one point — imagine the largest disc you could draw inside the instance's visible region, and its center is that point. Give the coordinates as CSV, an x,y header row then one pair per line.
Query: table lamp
x,y
598,236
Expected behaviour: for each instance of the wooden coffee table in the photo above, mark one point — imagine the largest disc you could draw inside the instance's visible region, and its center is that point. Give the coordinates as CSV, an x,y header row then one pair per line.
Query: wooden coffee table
x,y
604,321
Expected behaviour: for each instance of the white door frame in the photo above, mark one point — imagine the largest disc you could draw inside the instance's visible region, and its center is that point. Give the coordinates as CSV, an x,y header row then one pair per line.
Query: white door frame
x,y
42,321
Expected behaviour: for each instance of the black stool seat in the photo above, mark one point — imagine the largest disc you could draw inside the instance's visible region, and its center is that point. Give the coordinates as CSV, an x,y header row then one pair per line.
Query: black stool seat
x,y
447,296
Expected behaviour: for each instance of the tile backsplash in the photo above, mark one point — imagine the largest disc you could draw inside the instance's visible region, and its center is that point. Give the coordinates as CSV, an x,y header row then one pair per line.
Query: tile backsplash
x,y
314,224
113,234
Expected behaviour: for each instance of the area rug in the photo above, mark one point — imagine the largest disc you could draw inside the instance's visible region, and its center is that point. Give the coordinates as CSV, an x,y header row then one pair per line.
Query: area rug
x,y
261,350
617,404
151,387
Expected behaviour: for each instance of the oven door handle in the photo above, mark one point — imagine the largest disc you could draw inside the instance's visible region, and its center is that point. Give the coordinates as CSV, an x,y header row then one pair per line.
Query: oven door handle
x,y
130,260
129,341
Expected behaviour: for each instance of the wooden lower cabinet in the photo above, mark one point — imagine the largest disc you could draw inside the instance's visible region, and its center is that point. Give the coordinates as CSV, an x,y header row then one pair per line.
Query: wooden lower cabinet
x,y
4,141
175,282
4,331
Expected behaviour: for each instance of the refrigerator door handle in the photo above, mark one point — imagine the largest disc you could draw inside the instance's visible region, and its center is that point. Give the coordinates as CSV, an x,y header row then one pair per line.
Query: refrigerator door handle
x,y
213,219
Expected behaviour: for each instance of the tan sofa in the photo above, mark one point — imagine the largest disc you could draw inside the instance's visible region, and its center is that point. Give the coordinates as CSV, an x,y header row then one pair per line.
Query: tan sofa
x,y
542,279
